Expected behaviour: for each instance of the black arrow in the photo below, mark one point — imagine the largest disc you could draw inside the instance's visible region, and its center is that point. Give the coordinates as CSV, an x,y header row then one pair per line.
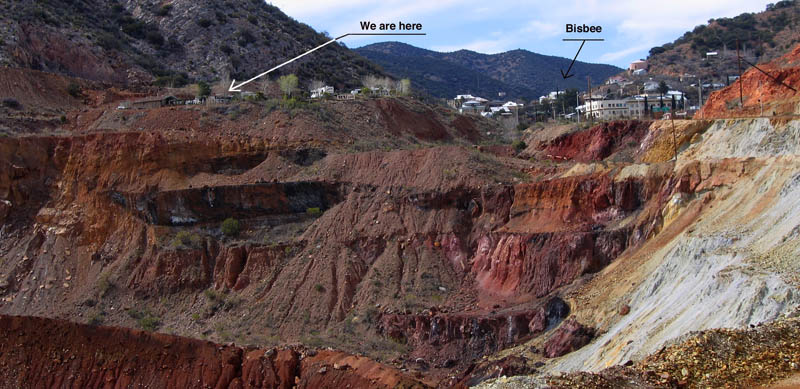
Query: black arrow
x,y
768,75
567,75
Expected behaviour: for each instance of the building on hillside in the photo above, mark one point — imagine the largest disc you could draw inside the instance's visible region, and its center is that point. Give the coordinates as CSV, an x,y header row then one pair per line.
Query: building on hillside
x,y
221,99
551,96
640,72
505,111
650,86
637,65
605,109
321,92
629,108
513,105
155,102
472,107
619,80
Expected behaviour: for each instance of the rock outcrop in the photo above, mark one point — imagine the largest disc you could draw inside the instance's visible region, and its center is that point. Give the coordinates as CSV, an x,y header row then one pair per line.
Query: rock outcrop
x,y
38,352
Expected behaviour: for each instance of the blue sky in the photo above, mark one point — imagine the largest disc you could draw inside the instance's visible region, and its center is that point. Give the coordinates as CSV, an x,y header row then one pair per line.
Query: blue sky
x,y
630,27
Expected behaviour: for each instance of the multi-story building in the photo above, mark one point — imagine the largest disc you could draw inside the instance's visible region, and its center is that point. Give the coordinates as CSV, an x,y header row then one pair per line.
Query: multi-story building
x,y
632,107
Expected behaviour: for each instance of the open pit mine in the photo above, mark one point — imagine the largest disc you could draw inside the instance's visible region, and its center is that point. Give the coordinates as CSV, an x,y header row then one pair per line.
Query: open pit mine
x,y
386,242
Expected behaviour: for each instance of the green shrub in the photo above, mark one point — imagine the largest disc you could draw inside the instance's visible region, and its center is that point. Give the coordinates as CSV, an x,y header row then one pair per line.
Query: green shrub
x,y
205,23
97,318
149,322
164,10
186,238
211,294
319,288
203,89
519,145
145,319
155,38
314,211
104,285
74,89
63,119
11,103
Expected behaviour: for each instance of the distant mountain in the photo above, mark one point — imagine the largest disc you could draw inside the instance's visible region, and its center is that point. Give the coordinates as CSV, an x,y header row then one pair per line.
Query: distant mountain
x,y
519,73
762,36
168,42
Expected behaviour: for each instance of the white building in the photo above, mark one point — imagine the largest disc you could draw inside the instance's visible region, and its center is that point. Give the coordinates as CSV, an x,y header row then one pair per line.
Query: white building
x,y
320,92
606,109
551,96
512,105
472,106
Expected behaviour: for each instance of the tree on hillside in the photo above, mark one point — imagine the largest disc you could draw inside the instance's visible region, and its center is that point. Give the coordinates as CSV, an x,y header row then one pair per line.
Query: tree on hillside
x,y
403,86
662,89
288,84
203,89
316,84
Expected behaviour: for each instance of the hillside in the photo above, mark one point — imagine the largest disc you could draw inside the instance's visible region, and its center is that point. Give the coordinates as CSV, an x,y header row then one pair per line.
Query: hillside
x,y
762,36
519,73
145,41
385,242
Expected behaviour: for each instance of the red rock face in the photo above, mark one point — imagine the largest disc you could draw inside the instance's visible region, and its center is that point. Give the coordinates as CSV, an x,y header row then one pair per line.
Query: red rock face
x,y
421,125
568,338
598,142
47,353
759,88
443,340
540,263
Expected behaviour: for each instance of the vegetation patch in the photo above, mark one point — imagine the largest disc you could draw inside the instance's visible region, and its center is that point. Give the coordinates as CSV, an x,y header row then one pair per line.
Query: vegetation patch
x,y
145,319
230,227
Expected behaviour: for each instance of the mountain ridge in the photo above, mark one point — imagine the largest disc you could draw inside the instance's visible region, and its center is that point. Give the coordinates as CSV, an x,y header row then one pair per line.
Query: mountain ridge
x,y
509,72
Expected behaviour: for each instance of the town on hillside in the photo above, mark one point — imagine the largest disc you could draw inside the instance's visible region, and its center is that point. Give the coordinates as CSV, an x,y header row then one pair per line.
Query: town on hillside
x,y
633,94
285,87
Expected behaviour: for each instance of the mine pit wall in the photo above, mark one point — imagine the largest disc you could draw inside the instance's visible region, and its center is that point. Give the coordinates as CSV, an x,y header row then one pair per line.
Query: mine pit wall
x,y
587,223
492,236
524,241
199,205
44,353
444,340
730,257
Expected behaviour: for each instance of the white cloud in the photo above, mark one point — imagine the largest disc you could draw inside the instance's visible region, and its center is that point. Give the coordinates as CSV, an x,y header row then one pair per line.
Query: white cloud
x,y
486,46
615,56
541,29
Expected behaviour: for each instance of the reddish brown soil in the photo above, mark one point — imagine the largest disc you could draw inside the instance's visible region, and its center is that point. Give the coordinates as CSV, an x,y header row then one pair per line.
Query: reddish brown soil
x,y
596,143
375,227
48,353
421,125
759,88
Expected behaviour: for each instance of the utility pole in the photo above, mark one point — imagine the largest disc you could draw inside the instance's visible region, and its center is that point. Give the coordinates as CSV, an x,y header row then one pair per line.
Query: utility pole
x,y
699,92
674,138
577,103
741,87
589,90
